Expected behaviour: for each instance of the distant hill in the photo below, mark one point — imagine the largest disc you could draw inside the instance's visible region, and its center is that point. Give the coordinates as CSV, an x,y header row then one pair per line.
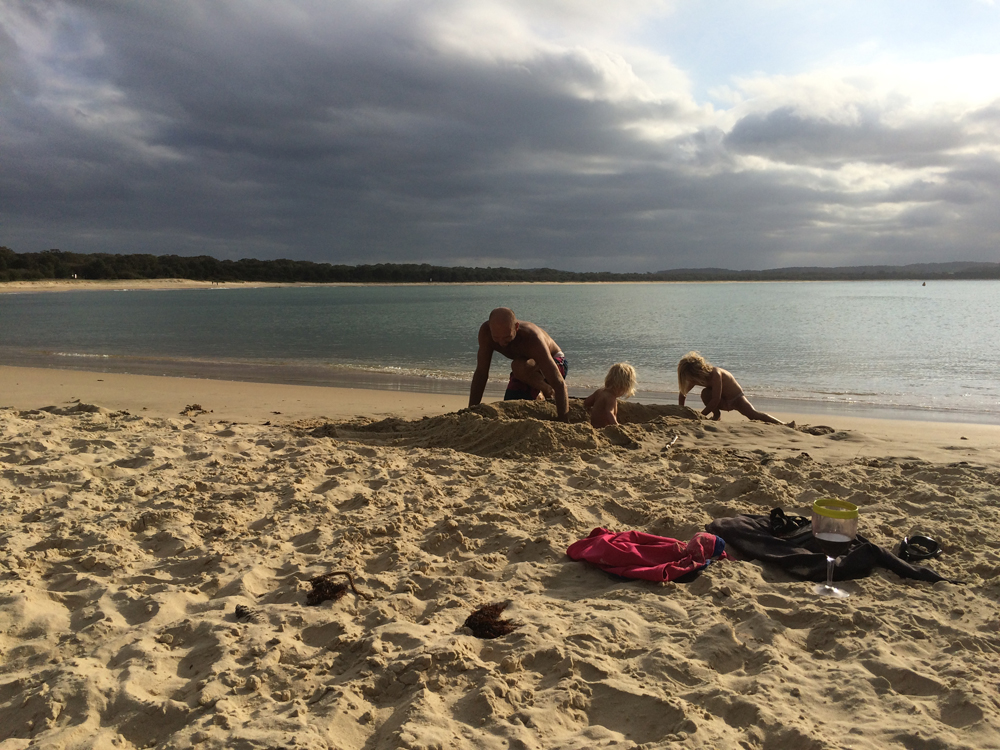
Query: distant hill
x,y
913,271
56,264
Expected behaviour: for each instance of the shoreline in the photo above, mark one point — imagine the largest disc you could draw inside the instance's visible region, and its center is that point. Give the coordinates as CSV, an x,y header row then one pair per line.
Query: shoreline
x,y
130,285
113,285
165,396
158,396
357,378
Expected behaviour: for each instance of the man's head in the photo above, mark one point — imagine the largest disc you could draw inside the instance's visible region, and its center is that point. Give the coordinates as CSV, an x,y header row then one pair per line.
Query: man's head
x,y
503,325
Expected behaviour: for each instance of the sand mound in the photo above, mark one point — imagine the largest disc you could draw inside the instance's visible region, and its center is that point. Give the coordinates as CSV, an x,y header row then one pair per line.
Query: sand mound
x,y
77,408
508,429
634,413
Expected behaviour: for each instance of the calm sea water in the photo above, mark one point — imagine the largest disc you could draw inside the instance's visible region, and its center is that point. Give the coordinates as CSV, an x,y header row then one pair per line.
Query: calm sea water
x,y
933,348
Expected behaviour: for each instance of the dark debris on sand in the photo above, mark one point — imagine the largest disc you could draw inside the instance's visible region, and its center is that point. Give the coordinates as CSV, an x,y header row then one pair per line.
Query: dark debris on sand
x,y
819,429
246,614
324,588
485,622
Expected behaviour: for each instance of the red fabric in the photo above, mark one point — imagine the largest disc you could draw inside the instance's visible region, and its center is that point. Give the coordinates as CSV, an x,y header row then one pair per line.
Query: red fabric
x,y
635,554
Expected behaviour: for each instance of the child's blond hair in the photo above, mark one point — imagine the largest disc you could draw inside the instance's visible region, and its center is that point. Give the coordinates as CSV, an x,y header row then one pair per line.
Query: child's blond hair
x,y
621,379
692,370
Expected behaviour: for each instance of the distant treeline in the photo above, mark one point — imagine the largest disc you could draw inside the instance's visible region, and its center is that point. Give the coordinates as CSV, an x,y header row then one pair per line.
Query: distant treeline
x,y
56,264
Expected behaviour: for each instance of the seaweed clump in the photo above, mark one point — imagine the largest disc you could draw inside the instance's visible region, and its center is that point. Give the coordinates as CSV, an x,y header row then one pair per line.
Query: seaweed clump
x,y
485,622
324,588
246,614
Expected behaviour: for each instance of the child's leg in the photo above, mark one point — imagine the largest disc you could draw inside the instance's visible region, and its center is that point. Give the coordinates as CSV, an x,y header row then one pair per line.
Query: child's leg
x,y
745,408
706,397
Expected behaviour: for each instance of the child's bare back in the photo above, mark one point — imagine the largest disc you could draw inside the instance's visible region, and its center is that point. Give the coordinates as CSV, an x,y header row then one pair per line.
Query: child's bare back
x,y
730,388
602,404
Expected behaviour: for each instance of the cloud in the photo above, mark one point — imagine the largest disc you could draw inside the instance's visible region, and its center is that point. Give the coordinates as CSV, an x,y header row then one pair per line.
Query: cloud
x,y
789,137
521,134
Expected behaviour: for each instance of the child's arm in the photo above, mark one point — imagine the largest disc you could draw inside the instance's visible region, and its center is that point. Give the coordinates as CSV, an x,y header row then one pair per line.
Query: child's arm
x,y
591,400
715,386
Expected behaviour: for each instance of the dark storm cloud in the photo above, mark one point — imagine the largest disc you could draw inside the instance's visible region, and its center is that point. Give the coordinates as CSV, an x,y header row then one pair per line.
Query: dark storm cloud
x,y
351,132
789,137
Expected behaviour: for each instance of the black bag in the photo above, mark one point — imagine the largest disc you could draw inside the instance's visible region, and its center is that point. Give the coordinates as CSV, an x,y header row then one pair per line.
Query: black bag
x,y
797,552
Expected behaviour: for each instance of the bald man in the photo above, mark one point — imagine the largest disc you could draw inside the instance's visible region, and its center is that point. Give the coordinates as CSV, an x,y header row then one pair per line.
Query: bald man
x,y
537,366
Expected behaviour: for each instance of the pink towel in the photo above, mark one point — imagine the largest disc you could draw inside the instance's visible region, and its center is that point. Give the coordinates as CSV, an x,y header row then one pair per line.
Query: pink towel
x,y
635,554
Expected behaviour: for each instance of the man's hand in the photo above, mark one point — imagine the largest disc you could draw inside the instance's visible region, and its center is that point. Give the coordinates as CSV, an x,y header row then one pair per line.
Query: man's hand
x,y
554,380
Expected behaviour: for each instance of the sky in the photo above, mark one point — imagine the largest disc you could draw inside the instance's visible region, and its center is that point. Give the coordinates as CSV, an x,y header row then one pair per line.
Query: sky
x,y
583,135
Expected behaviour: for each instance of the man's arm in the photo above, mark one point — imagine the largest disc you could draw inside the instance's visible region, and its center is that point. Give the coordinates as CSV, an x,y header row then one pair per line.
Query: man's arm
x,y
484,357
715,385
553,377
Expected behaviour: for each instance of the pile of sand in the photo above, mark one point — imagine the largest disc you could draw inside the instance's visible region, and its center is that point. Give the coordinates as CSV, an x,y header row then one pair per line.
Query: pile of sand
x,y
127,543
505,429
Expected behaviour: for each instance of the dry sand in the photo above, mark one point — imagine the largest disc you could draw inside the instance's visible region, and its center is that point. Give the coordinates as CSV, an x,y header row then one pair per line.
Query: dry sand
x,y
98,285
78,285
128,537
83,285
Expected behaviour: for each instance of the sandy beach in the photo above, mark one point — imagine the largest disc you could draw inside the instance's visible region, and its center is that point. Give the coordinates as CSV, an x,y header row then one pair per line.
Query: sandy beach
x,y
139,512
106,285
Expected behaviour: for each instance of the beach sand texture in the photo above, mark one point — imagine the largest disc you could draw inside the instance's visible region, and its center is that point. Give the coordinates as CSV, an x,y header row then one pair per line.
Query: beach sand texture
x,y
127,540
105,285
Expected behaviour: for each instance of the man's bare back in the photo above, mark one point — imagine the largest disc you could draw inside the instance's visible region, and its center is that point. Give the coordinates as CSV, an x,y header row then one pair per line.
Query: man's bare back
x,y
532,353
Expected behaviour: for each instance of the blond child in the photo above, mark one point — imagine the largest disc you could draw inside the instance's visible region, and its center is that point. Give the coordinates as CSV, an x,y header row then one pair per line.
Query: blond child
x,y
720,391
602,404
